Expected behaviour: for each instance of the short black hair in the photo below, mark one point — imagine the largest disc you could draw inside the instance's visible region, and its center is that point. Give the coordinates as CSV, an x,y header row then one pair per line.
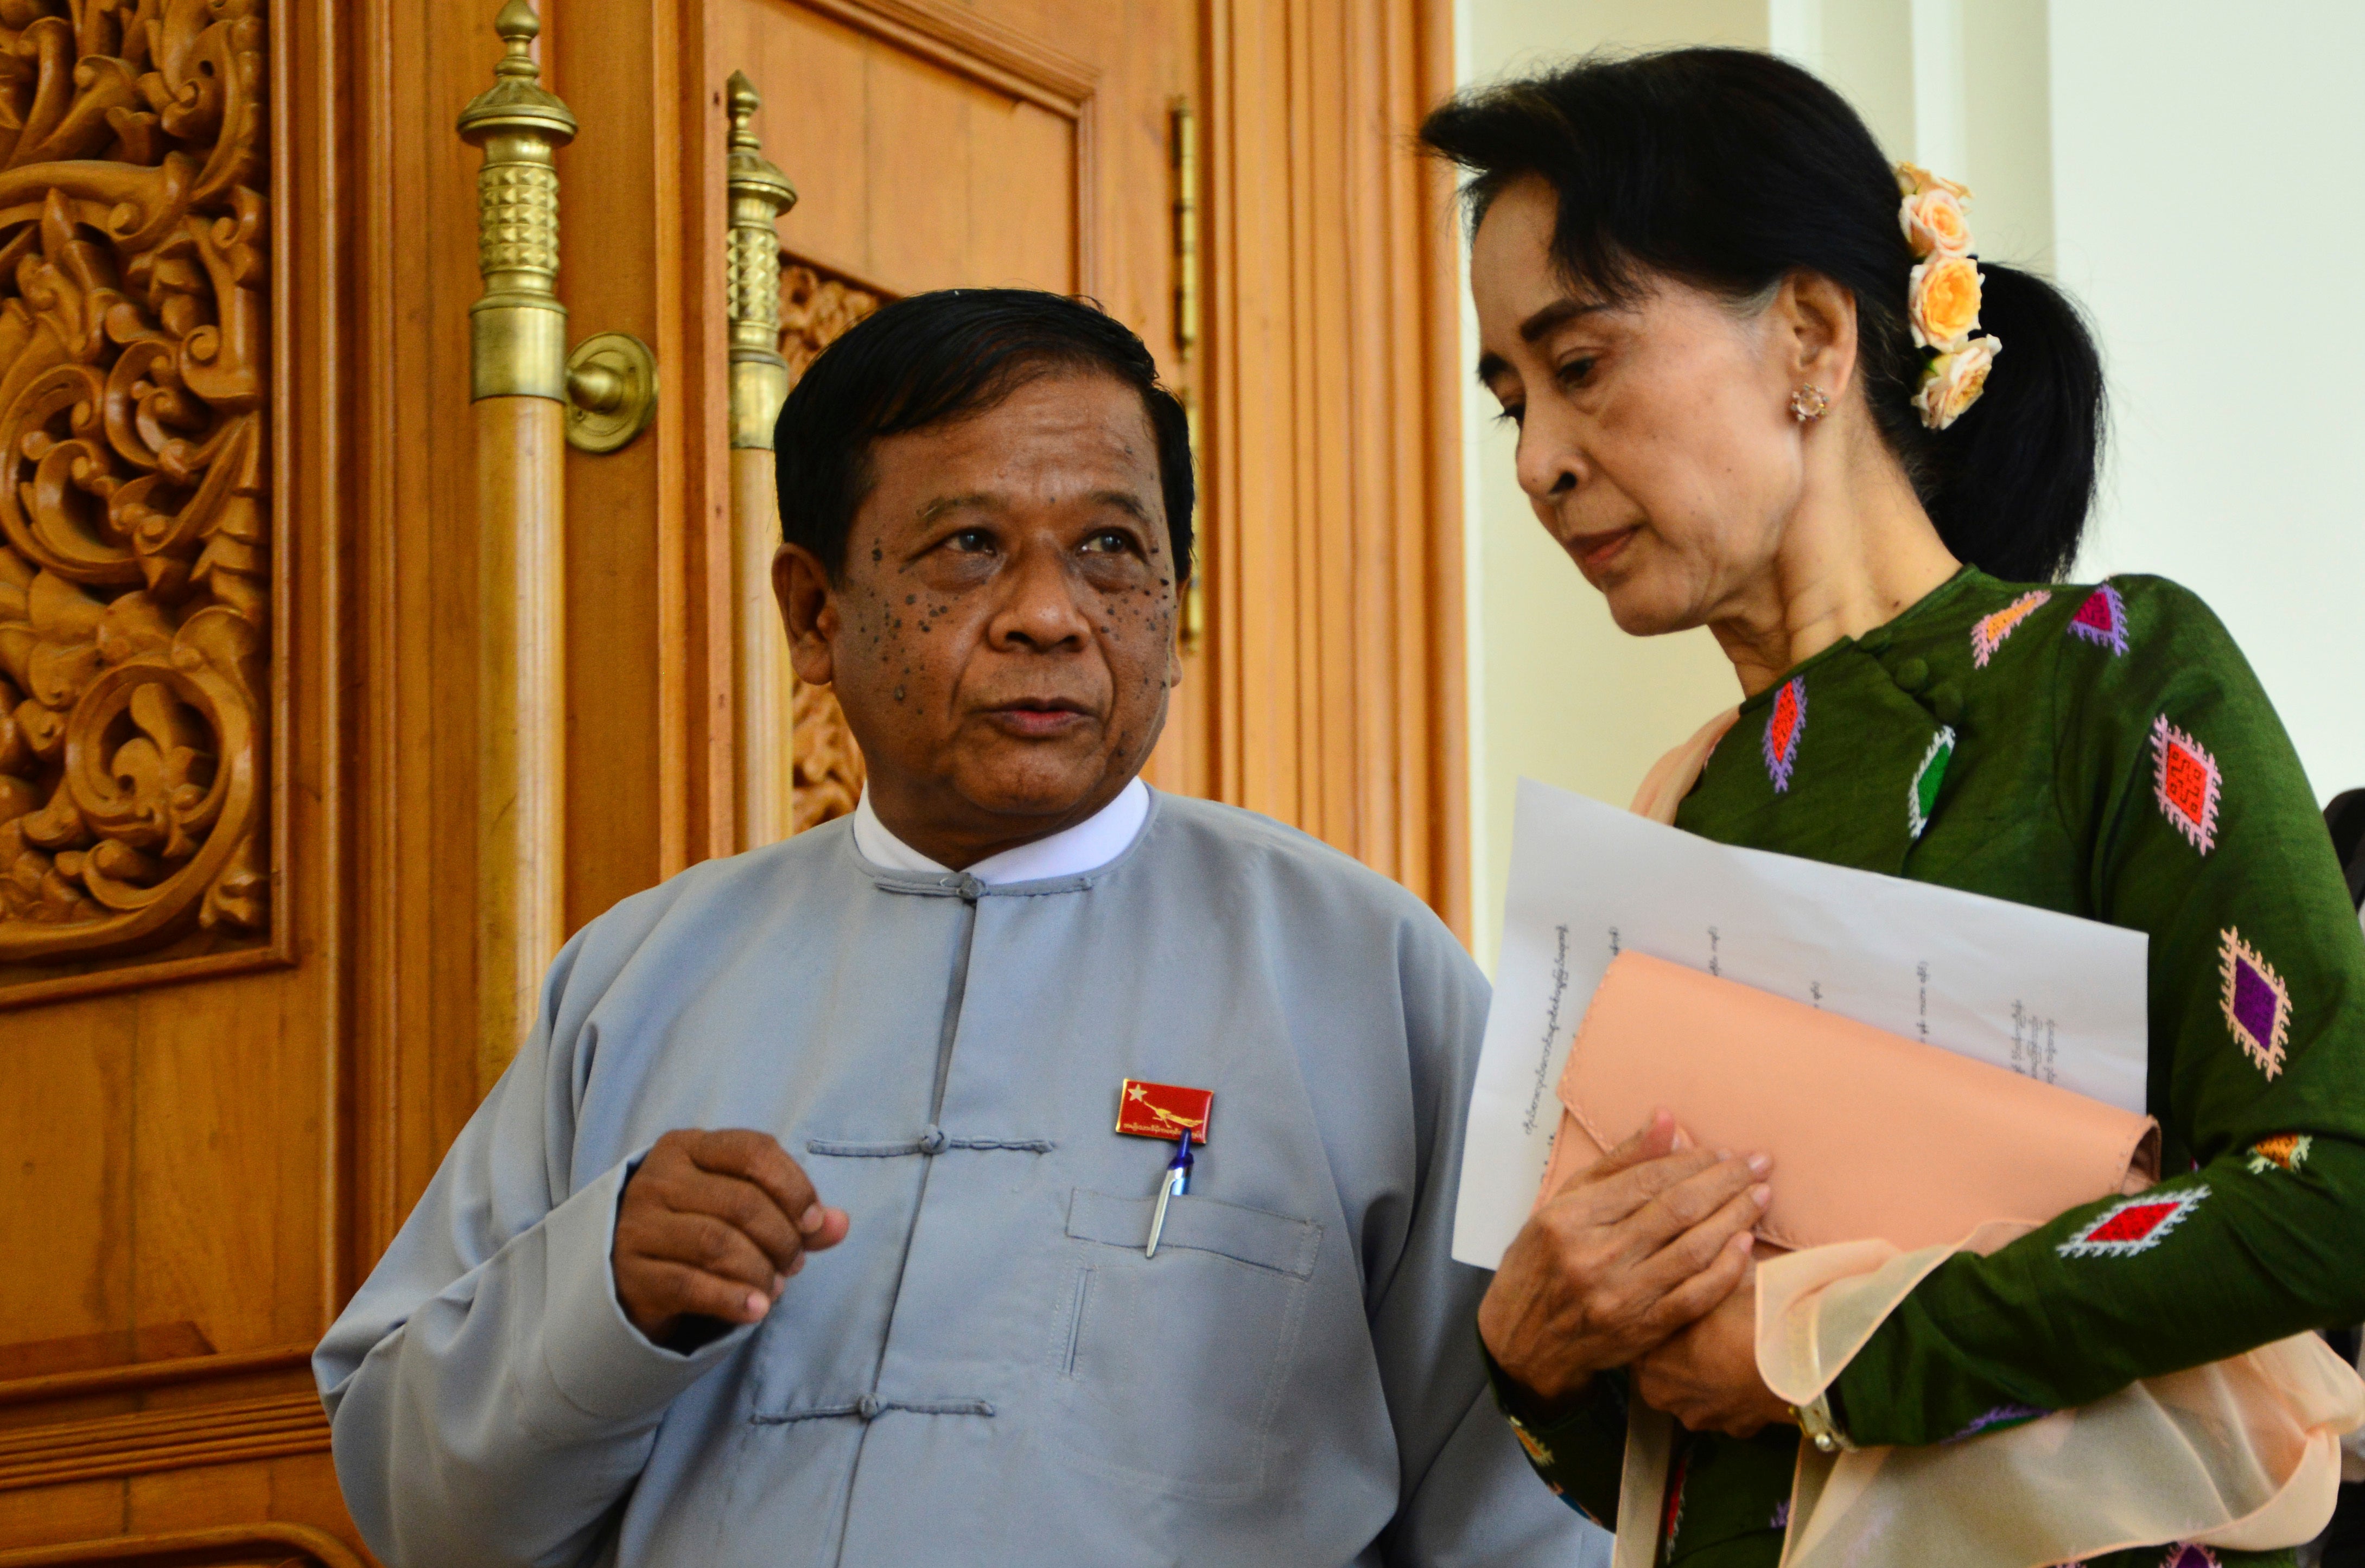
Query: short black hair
x,y
945,355
1728,169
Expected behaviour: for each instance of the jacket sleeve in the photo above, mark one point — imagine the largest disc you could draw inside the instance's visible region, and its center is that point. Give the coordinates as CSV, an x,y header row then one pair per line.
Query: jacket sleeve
x,y
489,1403
2201,831
1466,1494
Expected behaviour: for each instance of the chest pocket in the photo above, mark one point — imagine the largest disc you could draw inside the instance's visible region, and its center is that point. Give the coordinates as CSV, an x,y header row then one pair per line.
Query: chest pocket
x,y
1168,1371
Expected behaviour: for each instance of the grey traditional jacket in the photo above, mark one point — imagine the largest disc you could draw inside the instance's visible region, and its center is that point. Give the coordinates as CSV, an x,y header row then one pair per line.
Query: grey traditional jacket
x,y
987,1370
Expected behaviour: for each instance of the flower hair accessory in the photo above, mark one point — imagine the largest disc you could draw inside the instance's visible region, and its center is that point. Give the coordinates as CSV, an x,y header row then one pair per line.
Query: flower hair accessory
x,y
1942,301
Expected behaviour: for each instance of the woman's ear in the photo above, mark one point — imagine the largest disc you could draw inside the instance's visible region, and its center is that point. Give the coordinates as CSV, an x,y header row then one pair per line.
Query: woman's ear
x,y
1815,329
808,611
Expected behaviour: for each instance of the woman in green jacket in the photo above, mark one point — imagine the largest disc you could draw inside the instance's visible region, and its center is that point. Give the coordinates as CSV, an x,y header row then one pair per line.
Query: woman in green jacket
x,y
1762,386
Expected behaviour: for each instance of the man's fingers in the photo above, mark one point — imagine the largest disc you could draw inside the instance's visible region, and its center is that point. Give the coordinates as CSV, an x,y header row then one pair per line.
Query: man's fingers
x,y
738,1202
661,1290
835,1223
758,1158
704,1243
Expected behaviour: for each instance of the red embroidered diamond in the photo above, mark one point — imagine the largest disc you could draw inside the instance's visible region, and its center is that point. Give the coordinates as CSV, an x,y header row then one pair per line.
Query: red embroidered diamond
x,y
2186,783
1782,729
2103,620
2134,1226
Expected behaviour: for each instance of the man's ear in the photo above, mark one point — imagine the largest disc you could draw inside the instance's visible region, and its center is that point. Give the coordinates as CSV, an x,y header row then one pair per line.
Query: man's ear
x,y
808,610
1817,331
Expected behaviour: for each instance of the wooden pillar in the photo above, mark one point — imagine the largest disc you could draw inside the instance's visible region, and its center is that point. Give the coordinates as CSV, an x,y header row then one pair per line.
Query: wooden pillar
x,y
759,193
518,346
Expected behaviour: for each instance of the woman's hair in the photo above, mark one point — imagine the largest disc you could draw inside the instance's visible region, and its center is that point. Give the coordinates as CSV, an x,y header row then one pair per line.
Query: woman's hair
x,y
1729,170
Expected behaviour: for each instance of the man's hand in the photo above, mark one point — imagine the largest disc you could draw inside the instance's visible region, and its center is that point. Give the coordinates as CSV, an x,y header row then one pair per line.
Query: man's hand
x,y
1628,1254
1707,1376
714,1224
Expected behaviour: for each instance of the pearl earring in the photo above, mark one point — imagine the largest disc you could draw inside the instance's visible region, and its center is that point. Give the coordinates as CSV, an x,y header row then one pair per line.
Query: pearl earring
x,y
1807,404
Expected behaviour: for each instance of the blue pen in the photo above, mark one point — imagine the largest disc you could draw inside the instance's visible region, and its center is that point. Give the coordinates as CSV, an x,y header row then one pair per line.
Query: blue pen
x,y
1177,1182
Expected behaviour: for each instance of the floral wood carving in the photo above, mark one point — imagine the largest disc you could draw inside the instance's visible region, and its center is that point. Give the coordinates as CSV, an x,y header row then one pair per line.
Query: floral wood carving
x,y
135,568
814,312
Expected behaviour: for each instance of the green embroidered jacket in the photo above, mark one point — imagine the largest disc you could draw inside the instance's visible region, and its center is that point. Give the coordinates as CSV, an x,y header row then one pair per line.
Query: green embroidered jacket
x,y
2107,752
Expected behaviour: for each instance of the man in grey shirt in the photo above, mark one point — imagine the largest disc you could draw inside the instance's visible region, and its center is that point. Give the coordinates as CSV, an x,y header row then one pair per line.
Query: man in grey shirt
x,y
898,1305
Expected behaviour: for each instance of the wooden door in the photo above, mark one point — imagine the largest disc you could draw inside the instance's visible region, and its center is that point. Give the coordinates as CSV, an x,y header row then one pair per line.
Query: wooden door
x,y
242,592
1036,144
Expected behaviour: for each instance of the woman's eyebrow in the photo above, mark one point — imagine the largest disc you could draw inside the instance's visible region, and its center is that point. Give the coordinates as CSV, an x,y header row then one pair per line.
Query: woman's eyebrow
x,y
1559,313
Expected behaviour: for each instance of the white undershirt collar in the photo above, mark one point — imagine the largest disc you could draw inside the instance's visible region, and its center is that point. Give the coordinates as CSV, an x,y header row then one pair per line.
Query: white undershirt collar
x,y
1087,847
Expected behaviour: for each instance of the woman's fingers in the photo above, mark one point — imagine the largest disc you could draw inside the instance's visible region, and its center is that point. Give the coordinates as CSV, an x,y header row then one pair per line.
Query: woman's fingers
x,y
1656,1138
1670,1197
1719,1248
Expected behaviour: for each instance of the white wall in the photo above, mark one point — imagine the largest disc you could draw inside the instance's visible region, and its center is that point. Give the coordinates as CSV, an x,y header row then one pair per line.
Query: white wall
x,y
2203,159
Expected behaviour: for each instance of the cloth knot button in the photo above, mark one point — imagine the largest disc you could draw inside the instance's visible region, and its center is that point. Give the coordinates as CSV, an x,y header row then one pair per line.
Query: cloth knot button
x,y
867,1407
932,1141
1911,675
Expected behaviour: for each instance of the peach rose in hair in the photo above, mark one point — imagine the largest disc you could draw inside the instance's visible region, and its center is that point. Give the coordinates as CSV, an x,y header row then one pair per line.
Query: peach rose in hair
x,y
1954,382
1942,302
1935,224
1913,179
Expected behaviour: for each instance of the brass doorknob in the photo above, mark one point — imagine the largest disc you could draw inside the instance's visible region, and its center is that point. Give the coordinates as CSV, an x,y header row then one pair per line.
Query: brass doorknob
x,y
612,391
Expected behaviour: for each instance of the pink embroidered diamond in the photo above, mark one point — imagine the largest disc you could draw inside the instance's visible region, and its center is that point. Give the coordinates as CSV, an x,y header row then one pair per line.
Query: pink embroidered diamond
x,y
2133,1224
1784,725
2256,1002
2185,781
2103,620
2189,1554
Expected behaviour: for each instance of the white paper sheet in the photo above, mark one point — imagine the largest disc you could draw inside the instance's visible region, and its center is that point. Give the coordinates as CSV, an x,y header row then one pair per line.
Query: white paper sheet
x,y
2045,994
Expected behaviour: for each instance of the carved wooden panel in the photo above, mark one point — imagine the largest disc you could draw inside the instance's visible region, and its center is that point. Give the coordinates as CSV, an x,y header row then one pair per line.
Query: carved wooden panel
x,y
245,1546
135,572
815,311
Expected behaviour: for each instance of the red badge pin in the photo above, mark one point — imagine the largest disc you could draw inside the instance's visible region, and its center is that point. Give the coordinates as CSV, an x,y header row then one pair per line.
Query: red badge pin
x,y
1163,1110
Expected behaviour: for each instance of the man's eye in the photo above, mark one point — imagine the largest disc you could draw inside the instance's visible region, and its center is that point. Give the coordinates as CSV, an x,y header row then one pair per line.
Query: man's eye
x,y
1575,373
1108,542
972,541
1513,413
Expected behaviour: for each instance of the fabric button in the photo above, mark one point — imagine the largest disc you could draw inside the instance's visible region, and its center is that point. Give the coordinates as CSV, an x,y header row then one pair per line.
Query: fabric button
x,y
932,1141
867,1407
1946,701
1911,675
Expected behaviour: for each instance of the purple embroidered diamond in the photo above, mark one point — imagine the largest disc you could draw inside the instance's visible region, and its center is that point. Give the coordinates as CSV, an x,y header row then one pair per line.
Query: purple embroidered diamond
x,y
2186,1554
2001,1415
1781,1514
2256,999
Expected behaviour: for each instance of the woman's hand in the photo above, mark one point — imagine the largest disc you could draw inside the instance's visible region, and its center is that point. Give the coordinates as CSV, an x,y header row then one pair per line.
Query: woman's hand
x,y
1707,1376
1631,1252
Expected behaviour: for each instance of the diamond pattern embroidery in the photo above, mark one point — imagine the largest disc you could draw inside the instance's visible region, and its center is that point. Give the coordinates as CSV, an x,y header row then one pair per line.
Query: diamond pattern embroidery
x,y
2185,781
1922,797
2284,1152
2257,1004
1783,727
2103,620
2189,1554
2132,1224
1988,634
